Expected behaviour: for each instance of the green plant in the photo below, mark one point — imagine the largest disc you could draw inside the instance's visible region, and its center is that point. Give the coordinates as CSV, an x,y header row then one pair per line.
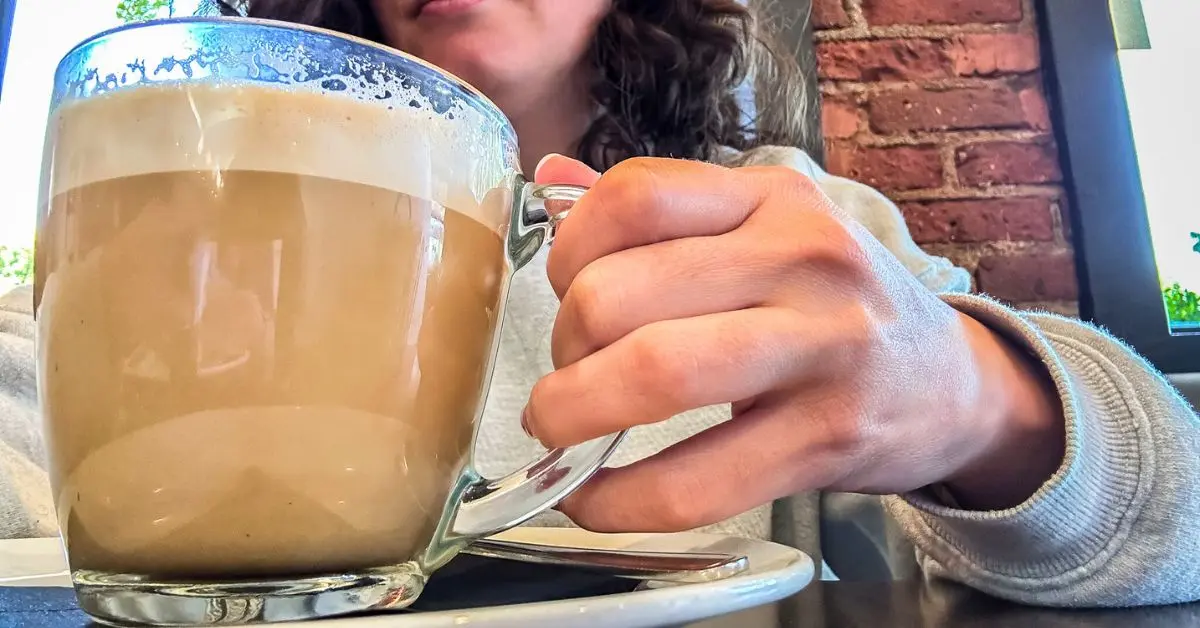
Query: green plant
x,y
1183,305
16,264
142,10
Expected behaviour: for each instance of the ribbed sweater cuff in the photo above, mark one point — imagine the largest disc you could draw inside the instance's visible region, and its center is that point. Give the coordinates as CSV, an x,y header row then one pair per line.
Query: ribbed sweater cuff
x,y
1082,514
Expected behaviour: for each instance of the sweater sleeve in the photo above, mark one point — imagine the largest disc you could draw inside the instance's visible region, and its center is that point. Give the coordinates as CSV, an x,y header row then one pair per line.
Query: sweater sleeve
x,y
26,509
1113,526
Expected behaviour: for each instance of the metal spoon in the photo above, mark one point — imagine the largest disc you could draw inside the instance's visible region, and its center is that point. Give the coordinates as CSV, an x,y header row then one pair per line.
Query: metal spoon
x,y
675,567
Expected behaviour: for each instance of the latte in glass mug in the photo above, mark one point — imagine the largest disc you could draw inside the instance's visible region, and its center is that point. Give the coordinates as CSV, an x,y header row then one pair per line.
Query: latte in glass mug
x,y
269,280
269,367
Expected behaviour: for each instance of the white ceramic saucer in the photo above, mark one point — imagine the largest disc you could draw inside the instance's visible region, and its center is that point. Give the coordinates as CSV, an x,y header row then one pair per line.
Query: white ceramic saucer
x,y
33,563
775,572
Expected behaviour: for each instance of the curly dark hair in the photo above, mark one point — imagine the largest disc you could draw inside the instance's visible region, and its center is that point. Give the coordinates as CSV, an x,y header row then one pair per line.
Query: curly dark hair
x,y
667,79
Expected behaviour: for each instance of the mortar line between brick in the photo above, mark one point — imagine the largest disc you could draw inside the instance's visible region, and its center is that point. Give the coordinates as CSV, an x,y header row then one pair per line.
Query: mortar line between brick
x,y
934,32
858,21
1056,219
969,193
949,167
993,248
955,138
868,88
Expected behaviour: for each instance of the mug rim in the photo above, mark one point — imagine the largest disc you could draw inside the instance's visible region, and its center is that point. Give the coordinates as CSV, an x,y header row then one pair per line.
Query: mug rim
x,y
470,93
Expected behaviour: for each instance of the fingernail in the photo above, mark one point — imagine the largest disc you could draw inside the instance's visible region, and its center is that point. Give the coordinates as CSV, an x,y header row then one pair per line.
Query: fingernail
x,y
543,162
525,423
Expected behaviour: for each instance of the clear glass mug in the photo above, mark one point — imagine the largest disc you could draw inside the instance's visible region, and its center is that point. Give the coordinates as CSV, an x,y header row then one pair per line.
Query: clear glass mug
x,y
271,268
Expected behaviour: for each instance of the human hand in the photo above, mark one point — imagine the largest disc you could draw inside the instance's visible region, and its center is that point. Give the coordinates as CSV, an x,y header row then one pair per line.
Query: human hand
x,y
685,285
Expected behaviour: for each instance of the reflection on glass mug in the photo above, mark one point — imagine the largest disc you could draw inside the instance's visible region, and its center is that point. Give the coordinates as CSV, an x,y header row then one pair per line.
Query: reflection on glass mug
x,y
271,268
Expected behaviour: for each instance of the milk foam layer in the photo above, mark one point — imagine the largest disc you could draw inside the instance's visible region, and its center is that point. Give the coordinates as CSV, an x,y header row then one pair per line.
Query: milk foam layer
x,y
213,127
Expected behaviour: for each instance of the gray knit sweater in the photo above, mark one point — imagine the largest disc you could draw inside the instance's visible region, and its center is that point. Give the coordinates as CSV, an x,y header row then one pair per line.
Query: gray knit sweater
x,y
1112,527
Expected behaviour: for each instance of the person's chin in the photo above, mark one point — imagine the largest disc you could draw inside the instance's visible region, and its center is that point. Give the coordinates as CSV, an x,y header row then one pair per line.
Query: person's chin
x,y
476,64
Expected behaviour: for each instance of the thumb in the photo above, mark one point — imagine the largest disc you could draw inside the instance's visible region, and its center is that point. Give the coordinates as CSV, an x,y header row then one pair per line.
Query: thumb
x,y
556,168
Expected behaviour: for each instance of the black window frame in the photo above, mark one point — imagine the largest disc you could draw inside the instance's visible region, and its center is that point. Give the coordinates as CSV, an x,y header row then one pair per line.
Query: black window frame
x,y
1118,275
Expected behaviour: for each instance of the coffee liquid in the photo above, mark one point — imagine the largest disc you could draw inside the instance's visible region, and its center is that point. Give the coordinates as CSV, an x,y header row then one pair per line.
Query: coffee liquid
x,y
252,369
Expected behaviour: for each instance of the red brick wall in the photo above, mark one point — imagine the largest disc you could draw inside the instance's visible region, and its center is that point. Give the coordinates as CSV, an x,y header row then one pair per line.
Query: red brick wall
x,y
940,104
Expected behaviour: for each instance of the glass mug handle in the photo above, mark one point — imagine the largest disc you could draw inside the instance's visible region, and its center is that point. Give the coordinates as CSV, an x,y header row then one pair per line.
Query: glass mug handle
x,y
487,506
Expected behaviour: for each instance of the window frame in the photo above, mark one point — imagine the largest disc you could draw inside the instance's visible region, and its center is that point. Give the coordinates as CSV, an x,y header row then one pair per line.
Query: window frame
x,y
1104,187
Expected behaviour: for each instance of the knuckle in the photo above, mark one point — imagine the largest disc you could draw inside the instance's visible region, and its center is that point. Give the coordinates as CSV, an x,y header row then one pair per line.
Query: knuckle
x,y
633,171
833,240
805,236
661,368
678,502
792,182
858,335
844,437
832,246
624,189
845,431
588,301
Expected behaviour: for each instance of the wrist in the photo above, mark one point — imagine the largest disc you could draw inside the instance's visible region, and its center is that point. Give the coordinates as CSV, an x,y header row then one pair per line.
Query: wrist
x,y
1021,426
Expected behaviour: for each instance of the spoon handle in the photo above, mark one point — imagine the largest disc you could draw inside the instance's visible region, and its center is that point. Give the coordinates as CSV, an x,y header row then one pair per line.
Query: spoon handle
x,y
677,567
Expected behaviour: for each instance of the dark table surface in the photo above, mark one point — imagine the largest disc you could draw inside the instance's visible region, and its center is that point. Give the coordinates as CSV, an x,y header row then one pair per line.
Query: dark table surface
x,y
935,605
481,582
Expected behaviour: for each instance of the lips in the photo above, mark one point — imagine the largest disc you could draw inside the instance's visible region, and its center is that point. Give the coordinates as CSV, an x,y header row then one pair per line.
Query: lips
x,y
429,8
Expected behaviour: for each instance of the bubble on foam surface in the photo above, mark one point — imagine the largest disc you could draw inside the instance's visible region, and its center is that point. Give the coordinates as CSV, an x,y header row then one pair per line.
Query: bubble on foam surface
x,y
412,105
267,53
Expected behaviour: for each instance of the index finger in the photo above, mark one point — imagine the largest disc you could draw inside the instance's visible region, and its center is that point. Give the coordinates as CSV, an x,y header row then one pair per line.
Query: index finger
x,y
646,200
